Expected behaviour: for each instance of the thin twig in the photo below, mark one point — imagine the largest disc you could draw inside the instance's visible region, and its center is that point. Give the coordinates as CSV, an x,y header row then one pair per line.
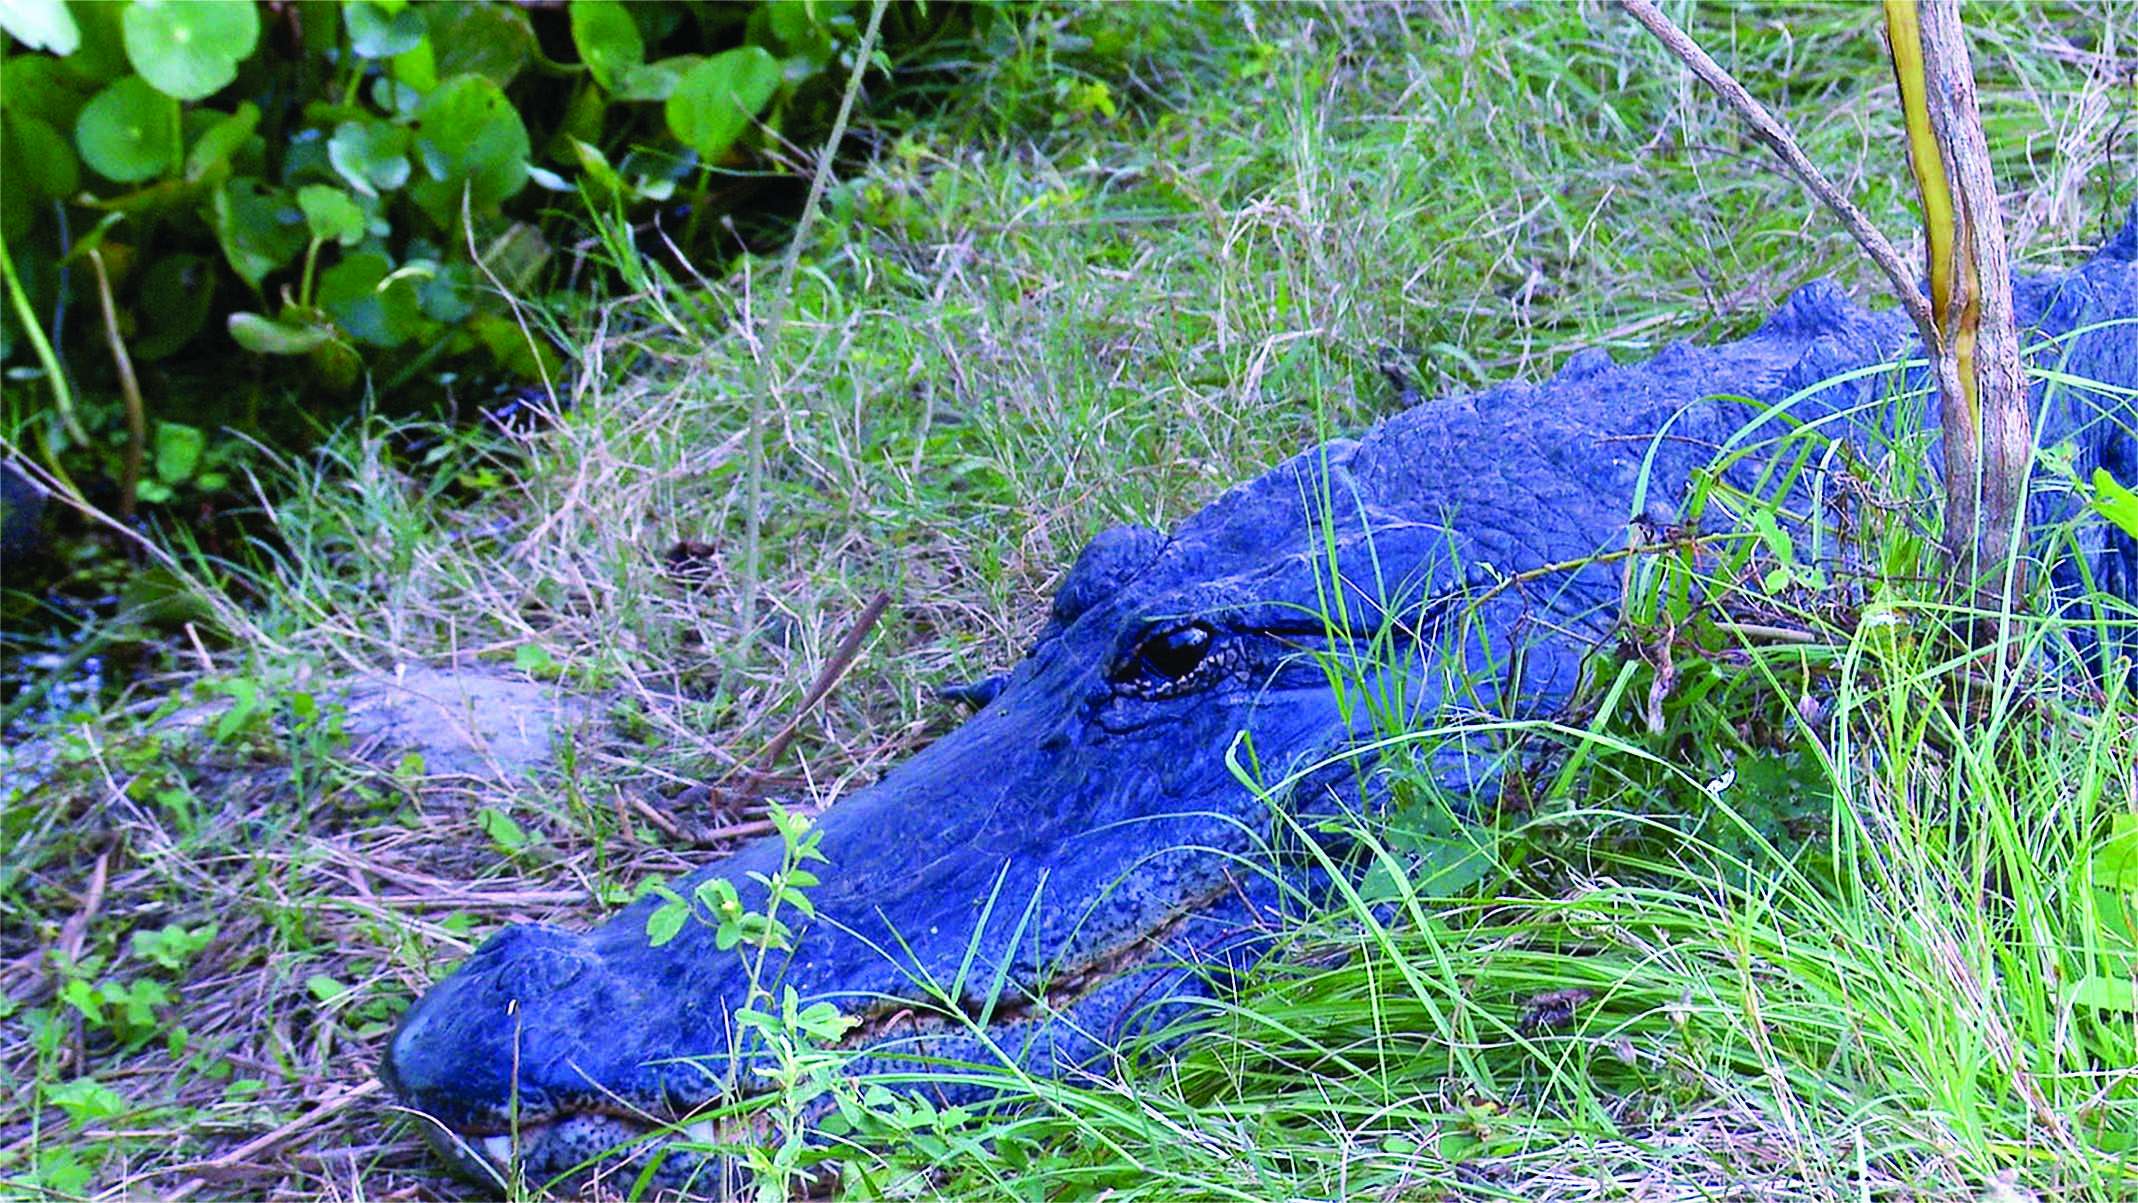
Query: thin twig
x,y
646,810
751,829
775,317
76,928
1518,579
1766,633
262,1143
1777,138
842,658
129,388
753,477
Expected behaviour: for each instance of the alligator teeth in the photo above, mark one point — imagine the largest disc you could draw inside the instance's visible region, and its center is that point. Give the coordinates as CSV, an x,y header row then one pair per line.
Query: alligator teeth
x,y
498,1149
701,1131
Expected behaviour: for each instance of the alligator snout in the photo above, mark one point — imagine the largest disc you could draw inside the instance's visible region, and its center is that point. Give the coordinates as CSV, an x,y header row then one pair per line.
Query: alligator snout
x,y
493,1045
541,1059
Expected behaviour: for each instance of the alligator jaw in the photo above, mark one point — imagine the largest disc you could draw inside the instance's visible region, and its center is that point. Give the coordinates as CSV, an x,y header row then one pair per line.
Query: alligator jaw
x,y
575,1148
595,1137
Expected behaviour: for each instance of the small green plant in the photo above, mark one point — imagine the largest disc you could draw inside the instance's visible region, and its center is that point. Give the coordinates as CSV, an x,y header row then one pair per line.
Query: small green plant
x,y
505,835
86,1101
246,713
910,1136
537,661
128,1010
173,946
132,1010
57,1169
795,1042
390,159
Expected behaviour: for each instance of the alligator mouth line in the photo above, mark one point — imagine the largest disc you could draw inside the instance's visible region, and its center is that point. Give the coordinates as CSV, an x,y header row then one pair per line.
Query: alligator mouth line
x,y
594,1145
614,1135
1057,997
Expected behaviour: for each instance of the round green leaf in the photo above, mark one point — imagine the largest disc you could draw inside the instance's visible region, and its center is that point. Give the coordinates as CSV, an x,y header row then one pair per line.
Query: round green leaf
x,y
511,350
365,305
608,39
397,98
490,40
190,48
266,336
172,304
129,131
375,33
178,451
470,137
714,101
584,118
335,365
18,212
330,214
258,226
654,81
371,155
40,25
306,159
417,68
808,29
653,176
39,157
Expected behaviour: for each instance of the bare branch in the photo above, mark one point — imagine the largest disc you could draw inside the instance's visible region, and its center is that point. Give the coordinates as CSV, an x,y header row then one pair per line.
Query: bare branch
x,y
1986,490
1967,321
1784,144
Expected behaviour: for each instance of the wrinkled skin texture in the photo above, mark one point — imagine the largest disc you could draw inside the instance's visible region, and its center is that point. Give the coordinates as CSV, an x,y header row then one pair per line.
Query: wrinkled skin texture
x,y
1086,817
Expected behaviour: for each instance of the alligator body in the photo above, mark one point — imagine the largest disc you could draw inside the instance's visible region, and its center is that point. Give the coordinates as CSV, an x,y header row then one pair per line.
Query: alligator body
x,y
1078,859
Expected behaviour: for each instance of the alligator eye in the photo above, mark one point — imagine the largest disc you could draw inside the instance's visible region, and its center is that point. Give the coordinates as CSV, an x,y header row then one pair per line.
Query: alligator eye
x,y
1172,654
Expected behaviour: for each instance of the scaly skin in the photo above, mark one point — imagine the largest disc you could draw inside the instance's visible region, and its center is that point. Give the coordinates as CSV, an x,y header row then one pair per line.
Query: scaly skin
x,y
1081,839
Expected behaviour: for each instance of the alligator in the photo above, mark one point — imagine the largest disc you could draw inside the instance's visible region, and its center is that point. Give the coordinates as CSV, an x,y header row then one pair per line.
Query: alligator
x,y
1093,852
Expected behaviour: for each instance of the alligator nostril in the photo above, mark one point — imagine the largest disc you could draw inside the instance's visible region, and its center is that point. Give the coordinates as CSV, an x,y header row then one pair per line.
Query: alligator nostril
x,y
531,961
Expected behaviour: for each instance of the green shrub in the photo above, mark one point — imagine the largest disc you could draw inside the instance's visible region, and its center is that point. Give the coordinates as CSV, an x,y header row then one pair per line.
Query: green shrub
x,y
355,186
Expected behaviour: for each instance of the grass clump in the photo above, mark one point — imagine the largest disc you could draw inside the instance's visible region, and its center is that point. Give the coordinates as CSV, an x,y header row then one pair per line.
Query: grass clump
x,y
1147,253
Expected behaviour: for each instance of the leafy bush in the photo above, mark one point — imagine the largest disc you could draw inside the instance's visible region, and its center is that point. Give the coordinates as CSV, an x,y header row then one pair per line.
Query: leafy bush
x,y
357,185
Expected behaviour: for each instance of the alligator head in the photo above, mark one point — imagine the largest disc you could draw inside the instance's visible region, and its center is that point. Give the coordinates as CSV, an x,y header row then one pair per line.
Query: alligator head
x,y
1058,867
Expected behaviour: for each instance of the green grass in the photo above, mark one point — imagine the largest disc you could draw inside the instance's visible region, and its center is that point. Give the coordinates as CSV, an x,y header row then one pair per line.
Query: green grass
x,y
1854,975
